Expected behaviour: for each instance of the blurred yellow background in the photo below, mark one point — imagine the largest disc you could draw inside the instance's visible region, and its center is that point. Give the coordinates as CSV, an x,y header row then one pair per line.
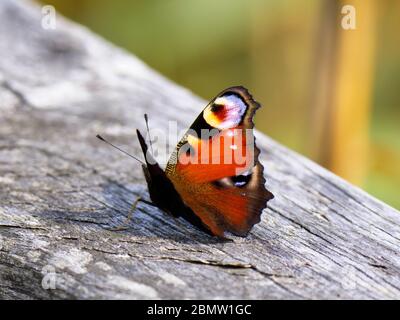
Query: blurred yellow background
x,y
329,93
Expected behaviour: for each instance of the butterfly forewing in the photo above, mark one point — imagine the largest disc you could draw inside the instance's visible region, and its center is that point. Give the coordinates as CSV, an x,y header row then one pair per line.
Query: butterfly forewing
x,y
215,167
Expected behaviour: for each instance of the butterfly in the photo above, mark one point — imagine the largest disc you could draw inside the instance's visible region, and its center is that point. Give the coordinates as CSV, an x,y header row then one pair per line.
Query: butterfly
x,y
213,178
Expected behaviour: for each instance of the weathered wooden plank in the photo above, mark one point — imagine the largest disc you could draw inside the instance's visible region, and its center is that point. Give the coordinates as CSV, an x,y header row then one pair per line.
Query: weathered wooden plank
x,y
61,191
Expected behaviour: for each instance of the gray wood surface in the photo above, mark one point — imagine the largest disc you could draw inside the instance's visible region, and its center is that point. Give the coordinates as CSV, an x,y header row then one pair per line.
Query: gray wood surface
x,y
61,190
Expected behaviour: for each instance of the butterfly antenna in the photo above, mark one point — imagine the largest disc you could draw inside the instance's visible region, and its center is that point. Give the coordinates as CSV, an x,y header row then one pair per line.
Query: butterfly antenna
x,y
146,119
104,140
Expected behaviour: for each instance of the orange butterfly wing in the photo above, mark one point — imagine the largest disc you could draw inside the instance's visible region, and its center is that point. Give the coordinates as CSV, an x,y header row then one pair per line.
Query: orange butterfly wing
x,y
218,175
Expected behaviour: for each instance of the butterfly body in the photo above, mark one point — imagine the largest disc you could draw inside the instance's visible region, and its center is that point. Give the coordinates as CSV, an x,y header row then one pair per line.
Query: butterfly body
x,y
214,181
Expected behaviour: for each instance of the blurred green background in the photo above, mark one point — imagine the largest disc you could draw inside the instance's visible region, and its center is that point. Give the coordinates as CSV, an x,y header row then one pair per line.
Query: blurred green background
x,y
329,93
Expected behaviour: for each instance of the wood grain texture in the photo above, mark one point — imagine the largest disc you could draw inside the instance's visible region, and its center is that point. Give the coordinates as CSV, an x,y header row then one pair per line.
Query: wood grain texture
x,y
61,191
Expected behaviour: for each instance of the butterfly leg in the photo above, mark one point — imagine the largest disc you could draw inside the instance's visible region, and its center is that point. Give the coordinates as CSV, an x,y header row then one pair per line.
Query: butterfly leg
x,y
125,225
149,203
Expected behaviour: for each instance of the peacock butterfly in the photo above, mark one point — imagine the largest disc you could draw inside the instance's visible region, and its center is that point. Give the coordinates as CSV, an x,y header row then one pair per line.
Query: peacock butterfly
x,y
213,178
